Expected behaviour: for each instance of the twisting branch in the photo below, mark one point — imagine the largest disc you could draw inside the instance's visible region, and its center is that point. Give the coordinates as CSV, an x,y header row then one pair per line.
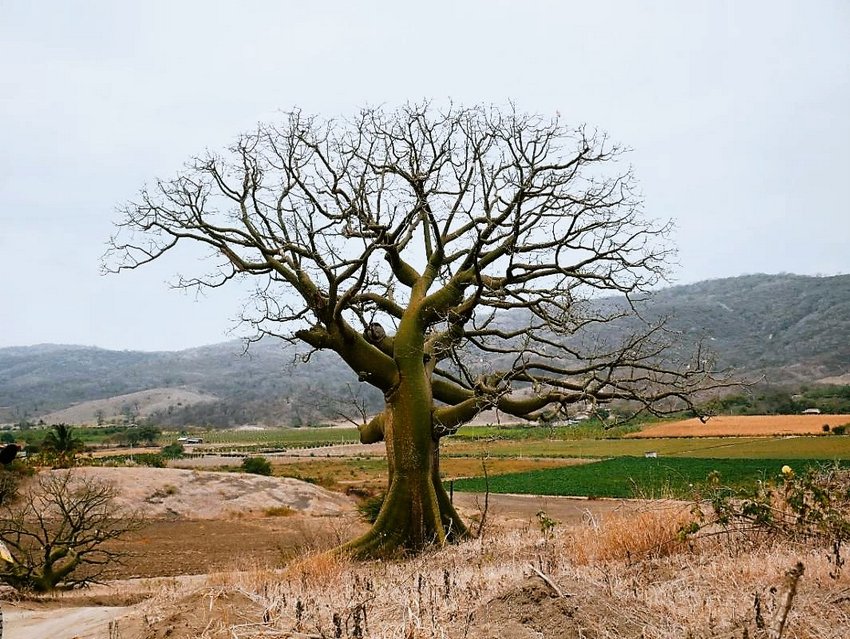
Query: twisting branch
x,y
495,233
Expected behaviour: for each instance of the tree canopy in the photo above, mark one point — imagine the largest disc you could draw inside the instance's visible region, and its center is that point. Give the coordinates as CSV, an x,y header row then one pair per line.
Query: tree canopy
x,y
451,257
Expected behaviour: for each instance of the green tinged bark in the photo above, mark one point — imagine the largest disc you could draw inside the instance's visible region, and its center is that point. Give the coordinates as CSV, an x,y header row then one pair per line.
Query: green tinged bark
x,y
416,511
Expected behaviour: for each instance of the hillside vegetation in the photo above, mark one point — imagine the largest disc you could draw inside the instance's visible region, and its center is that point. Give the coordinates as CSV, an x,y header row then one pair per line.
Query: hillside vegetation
x,y
789,329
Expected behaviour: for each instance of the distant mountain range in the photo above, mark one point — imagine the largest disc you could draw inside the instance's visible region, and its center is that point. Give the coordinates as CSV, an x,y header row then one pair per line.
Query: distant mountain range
x,y
788,328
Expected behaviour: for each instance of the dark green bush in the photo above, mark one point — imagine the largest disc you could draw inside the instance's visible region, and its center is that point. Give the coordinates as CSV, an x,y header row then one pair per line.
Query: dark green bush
x,y
839,430
257,466
172,451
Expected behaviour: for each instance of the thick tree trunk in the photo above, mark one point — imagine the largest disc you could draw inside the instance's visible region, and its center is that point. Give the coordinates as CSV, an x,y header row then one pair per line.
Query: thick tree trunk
x,y
416,511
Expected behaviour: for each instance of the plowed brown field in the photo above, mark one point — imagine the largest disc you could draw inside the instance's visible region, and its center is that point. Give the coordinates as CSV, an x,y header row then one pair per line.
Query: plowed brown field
x,y
746,426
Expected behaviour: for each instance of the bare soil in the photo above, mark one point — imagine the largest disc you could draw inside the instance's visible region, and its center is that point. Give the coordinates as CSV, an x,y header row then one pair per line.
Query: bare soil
x,y
195,547
169,493
745,426
145,403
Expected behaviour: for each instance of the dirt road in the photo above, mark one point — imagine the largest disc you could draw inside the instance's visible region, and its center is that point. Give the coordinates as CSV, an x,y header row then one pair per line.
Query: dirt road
x,y
87,622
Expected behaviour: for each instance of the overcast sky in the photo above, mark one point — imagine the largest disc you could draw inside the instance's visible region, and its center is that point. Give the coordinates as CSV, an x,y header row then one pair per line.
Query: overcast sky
x,y
737,114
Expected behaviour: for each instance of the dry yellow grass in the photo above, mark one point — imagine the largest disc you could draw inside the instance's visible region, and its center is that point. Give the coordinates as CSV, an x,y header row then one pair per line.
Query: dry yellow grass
x,y
634,536
616,577
746,426
620,577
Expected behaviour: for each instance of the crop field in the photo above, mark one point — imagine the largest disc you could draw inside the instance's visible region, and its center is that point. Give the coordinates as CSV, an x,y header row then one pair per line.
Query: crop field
x,y
590,429
627,477
746,426
282,436
832,447
371,474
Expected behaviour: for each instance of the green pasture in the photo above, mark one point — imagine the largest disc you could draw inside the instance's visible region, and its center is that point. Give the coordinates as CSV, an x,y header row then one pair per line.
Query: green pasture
x,y
626,477
827,447
589,429
281,436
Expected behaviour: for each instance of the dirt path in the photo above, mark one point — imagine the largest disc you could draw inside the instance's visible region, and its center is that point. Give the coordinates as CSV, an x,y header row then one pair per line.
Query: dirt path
x,y
86,622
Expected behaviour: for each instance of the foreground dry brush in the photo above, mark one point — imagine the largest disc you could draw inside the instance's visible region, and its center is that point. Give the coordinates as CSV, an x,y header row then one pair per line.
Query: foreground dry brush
x,y
624,576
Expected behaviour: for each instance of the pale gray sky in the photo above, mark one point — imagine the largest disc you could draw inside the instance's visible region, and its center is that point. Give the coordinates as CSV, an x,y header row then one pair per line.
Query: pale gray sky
x,y
737,113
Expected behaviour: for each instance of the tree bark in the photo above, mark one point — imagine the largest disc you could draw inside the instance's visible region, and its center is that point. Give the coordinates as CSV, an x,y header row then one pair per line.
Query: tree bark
x,y
416,511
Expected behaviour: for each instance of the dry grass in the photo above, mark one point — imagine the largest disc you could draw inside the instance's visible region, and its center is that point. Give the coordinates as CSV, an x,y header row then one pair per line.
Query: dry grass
x,y
631,537
745,426
622,578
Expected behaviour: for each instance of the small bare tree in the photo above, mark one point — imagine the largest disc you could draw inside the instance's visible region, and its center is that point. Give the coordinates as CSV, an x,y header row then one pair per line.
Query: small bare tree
x,y
58,531
450,257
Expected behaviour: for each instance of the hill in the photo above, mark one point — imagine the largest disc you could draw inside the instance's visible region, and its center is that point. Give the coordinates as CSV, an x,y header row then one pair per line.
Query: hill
x,y
788,328
219,385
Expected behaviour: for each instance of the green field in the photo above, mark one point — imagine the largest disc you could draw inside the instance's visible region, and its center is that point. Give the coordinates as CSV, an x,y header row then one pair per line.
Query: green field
x,y
833,447
282,436
589,429
634,477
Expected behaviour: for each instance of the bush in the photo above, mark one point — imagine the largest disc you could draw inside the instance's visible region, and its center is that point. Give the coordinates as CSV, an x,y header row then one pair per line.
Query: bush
x,y
839,430
810,508
155,460
257,466
10,480
172,451
58,533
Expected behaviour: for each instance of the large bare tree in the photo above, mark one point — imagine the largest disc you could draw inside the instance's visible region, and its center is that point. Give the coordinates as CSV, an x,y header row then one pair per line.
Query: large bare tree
x,y
449,256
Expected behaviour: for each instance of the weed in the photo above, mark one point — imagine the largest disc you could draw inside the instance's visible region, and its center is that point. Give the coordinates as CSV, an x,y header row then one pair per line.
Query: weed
x,y
812,506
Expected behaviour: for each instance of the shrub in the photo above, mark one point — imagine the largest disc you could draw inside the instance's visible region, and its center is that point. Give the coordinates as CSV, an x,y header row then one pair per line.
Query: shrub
x,y
811,508
10,480
279,511
155,460
59,532
172,451
839,430
257,466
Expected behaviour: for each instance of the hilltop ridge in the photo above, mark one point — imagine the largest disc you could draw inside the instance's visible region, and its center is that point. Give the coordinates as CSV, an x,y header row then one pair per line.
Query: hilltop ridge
x,y
787,328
